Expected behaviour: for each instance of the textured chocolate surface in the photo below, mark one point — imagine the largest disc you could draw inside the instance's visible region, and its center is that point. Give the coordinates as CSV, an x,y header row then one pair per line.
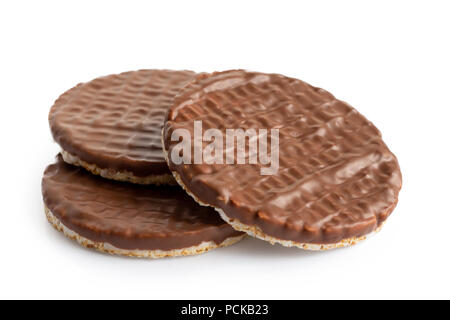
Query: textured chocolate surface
x,y
129,216
115,121
336,180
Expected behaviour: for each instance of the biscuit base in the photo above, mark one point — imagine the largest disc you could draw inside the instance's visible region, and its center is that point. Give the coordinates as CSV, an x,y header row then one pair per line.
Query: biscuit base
x,y
256,232
105,247
124,176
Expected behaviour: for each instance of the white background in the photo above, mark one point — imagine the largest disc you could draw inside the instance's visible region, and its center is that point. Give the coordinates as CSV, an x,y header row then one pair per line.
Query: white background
x,y
389,59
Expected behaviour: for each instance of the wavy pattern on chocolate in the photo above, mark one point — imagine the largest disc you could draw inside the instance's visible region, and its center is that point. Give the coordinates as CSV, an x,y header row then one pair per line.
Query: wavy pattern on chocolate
x,y
115,121
337,179
129,216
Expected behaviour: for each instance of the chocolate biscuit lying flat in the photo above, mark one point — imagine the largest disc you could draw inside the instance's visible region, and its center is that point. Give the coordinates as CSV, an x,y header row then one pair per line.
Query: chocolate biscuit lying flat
x,y
111,125
130,219
336,181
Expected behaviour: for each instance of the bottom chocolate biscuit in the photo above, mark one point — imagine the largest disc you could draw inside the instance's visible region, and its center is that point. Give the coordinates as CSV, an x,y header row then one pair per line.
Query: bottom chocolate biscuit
x,y
128,219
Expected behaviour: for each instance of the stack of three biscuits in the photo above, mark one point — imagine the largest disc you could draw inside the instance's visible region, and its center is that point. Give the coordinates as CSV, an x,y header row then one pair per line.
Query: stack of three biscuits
x,y
115,188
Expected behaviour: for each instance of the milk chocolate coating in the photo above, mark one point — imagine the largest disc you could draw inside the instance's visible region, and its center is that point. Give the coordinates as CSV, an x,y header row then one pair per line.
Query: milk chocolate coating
x,y
129,216
115,121
336,180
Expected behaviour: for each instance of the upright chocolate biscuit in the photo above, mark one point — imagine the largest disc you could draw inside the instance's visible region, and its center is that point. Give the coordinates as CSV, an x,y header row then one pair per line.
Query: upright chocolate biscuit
x,y
336,182
112,125
127,219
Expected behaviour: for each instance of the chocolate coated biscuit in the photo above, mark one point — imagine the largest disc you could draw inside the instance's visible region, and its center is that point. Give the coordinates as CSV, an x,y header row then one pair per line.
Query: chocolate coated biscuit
x,y
129,219
112,125
337,181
